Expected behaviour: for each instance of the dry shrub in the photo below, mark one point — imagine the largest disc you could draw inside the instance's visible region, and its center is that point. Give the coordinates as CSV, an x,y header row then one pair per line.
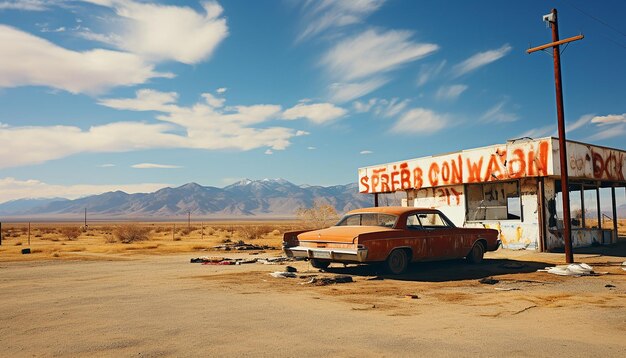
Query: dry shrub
x,y
71,232
131,233
185,231
319,216
251,232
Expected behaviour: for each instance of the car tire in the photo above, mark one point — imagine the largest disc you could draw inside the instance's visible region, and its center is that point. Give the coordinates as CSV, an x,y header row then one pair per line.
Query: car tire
x,y
477,253
397,262
320,264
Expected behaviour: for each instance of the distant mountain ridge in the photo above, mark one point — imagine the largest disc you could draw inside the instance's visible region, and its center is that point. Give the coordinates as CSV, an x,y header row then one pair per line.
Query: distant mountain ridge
x,y
247,198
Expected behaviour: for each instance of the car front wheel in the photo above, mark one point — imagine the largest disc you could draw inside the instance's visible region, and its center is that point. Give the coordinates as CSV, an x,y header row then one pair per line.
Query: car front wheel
x,y
397,262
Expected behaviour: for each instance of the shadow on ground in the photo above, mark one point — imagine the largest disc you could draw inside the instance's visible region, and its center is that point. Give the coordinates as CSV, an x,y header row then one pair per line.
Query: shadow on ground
x,y
441,271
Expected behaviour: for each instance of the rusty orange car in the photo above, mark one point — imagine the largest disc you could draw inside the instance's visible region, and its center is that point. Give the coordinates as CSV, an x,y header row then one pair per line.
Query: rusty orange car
x,y
394,236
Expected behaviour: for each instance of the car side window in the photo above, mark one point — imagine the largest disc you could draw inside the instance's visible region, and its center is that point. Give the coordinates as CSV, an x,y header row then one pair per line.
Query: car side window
x,y
432,220
413,223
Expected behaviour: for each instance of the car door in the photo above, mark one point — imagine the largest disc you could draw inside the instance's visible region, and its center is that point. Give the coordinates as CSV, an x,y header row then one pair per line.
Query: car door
x,y
442,240
418,238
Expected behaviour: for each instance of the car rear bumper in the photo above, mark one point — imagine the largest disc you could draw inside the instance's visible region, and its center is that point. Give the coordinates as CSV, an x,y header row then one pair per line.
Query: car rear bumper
x,y
329,254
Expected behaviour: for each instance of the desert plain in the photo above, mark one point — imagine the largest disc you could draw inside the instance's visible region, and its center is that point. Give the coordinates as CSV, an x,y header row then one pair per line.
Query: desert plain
x,y
85,293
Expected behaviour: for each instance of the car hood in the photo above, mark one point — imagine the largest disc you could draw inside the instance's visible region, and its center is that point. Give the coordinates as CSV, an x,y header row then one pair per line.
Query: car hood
x,y
340,233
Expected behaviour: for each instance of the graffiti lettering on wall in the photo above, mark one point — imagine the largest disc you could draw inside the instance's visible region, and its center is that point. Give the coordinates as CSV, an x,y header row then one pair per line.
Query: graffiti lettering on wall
x,y
494,163
608,164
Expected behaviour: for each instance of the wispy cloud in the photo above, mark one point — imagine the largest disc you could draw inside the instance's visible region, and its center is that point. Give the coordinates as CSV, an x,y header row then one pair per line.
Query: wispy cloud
x,y
499,114
613,132
365,152
269,152
569,127
25,5
108,165
317,113
311,148
321,16
359,63
160,32
11,189
539,132
450,92
429,71
382,107
221,90
609,119
154,166
480,59
420,121
31,60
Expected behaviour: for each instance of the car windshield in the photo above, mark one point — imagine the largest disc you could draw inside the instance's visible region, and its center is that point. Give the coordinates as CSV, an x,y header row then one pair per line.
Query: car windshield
x,y
368,219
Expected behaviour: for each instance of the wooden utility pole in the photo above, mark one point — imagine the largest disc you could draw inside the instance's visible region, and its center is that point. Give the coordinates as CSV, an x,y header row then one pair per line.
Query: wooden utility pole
x,y
556,55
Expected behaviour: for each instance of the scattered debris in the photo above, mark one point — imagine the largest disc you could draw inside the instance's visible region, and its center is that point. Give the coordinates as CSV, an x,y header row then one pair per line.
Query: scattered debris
x,y
608,285
488,281
624,266
375,278
571,270
324,281
274,260
281,274
506,289
291,269
221,261
240,245
412,297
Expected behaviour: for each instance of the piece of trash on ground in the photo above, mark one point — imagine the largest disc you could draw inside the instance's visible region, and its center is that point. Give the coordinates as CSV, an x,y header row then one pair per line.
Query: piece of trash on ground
x,y
575,270
240,245
488,281
506,288
608,285
323,281
281,274
412,297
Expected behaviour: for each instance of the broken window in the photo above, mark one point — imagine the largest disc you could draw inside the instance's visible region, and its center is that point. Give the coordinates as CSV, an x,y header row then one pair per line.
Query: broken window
x,y
494,201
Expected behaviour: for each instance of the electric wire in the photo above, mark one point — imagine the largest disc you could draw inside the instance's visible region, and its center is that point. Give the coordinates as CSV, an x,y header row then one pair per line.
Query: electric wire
x,y
596,18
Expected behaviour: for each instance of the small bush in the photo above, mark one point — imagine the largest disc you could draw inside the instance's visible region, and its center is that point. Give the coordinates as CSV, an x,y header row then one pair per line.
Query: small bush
x,y
131,233
251,232
71,232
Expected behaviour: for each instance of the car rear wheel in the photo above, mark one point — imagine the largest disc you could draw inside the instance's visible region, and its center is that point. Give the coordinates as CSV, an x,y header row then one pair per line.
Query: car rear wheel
x,y
397,262
320,264
476,255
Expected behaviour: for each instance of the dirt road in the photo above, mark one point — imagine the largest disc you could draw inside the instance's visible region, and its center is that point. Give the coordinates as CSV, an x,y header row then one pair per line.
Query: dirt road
x,y
165,306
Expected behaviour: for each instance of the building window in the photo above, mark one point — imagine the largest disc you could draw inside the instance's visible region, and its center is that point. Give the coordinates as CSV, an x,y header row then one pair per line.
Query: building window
x,y
494,201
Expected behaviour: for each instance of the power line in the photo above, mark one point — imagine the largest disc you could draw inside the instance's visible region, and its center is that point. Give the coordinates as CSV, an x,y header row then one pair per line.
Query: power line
x,y
597,19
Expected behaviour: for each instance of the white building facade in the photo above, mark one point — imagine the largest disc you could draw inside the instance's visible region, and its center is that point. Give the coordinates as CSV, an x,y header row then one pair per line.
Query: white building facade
x,y
514,188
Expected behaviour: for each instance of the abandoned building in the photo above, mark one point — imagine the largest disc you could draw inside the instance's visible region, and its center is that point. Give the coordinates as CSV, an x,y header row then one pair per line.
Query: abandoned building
x,y
514,188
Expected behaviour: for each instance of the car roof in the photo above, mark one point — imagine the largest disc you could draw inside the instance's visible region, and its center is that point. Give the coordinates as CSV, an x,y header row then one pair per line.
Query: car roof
x,y
393,210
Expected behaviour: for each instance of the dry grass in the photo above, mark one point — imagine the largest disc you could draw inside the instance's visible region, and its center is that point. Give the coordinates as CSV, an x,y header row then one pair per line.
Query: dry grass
x,y
50,240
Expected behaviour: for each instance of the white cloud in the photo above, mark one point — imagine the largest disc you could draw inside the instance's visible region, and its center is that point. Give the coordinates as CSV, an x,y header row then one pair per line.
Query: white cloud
x,y
359,63
269,152
420,121
108,165
480,59
301,133
317,113
26,5
428,72
611,132
12,189
58,29
609,119
154,166
364,152
327,14
382,107
311,148
221,90
161,32
213,101
344,92
30,60
579,123
374,52
145,100
498,114
450,93
539,132
34,145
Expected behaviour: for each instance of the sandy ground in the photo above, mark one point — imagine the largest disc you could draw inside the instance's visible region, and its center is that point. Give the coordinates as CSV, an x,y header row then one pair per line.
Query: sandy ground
x,y
146,306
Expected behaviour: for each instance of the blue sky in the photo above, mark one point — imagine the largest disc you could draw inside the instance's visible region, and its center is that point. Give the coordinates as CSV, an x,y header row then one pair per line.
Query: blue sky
x,y
101,95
